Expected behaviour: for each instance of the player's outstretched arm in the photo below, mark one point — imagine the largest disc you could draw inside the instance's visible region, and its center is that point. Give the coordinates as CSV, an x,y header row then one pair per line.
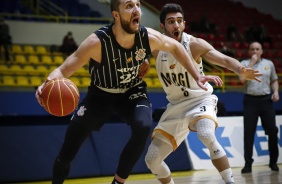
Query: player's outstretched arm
x,y
211,55
159,41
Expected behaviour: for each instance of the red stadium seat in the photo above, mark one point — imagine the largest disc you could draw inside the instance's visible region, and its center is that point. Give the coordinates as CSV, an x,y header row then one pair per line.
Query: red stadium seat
x,y
278,54
266,45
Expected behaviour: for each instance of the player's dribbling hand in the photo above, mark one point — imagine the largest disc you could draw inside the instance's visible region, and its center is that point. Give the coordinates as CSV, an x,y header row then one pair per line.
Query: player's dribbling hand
x,y
39,91
144,68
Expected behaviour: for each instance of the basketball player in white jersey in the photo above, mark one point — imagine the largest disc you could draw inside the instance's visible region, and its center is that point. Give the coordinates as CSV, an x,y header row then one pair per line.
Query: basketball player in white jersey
x,y
190,107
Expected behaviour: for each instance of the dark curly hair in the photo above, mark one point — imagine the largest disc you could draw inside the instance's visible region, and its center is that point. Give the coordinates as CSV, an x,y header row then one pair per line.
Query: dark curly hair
x,y
170,8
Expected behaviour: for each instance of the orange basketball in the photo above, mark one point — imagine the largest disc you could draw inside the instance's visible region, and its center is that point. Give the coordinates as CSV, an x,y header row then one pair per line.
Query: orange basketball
x,y
60,97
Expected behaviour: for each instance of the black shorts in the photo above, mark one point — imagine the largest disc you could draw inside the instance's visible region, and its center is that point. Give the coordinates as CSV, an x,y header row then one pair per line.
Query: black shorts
x,y
98,105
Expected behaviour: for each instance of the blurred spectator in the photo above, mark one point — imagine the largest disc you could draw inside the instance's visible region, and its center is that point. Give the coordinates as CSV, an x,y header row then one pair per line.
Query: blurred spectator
x,y
234,34
257,33
69,45
5,38
204,26
225,50
263,34
251,33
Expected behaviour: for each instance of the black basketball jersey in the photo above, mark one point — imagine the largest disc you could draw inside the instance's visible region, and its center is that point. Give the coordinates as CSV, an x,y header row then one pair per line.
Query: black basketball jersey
x,y
119,66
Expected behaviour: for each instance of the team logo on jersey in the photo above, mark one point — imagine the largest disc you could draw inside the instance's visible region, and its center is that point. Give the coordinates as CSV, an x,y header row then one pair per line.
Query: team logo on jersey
x,y
140,54
137,95
172,66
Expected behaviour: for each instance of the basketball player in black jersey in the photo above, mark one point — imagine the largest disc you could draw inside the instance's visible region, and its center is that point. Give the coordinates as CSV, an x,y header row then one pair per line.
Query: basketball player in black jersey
x,y
116,53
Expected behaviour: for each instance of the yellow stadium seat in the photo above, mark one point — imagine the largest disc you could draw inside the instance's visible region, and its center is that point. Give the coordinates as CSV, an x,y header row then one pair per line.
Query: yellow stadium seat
x,y
52,68
47,60
33,59
17,49
8,81
41,49
58,60
36,81
16,69
82,72
152,72
22,81
4,69
29,69
152,61
149,82
41,69
157,83
20,59
85,81
76,81
28,49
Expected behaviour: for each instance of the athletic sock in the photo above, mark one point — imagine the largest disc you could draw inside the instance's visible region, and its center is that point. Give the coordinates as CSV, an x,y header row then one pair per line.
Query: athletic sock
x,y
227,175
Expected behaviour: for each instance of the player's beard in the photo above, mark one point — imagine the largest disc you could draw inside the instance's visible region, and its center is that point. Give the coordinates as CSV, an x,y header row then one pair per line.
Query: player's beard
x,y
126,27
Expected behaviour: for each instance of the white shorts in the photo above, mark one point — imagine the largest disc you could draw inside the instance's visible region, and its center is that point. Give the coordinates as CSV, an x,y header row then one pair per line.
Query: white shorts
x,y
178,119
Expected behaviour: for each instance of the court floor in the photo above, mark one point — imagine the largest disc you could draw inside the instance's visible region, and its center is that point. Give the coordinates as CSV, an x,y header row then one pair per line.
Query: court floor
x,y
260,175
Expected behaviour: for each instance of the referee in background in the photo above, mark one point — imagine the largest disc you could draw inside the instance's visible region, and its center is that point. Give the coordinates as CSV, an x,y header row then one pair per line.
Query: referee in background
x,y
258,102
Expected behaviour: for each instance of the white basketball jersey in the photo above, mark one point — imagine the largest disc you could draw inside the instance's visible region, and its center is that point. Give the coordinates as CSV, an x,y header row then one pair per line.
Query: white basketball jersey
x,y
178,84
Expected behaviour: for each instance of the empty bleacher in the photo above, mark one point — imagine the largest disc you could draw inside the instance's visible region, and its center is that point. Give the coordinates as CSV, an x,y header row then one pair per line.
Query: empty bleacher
x,y
29,66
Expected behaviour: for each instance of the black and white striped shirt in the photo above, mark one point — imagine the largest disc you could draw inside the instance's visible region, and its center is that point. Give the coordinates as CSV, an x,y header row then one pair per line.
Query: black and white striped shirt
x,y
119,66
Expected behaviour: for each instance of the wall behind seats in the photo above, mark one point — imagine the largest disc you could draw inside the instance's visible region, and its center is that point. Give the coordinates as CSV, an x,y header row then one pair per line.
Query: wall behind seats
x,y
272,7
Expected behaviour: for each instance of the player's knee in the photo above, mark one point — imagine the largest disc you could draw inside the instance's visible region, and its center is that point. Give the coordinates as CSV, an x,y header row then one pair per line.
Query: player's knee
x,y
156,165
151,158
206,133
206,137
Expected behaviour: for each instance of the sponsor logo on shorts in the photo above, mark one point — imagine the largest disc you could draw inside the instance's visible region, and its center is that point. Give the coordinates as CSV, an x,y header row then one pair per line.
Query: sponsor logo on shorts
x,y
137,95
81,111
